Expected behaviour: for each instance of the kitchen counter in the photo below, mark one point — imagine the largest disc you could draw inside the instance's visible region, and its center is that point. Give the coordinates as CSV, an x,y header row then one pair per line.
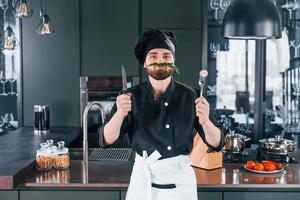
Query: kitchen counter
x,y
116,176
18,149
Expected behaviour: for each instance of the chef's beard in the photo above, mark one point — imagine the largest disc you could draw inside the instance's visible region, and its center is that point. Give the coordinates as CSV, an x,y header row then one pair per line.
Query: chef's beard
x,y
159,73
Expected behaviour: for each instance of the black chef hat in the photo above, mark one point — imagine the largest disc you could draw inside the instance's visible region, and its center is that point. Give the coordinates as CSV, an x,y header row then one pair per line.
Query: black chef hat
x,y
152,39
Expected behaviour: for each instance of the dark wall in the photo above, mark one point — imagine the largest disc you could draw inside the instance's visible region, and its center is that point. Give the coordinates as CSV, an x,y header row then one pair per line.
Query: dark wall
x,y
109,29
51,64
94,38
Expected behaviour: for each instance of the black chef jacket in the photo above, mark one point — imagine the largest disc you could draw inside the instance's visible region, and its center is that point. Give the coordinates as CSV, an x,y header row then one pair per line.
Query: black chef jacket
x,y
165,125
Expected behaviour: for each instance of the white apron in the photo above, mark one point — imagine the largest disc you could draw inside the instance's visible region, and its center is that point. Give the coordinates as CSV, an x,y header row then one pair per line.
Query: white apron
x,y
148,170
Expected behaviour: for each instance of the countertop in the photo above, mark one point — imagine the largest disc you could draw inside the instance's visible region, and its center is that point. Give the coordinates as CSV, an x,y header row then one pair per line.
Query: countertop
x,y
18,150
116,176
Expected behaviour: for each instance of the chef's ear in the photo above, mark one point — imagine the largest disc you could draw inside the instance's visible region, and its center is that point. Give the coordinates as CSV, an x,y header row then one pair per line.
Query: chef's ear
x,y
145,66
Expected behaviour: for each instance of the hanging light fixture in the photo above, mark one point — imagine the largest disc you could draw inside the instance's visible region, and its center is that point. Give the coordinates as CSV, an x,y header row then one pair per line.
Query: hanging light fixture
x,y
251,19
9,40
22,9
257,20
45,26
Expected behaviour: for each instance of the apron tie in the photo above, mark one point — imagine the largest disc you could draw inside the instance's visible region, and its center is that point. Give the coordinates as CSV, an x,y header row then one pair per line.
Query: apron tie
x,y
145,163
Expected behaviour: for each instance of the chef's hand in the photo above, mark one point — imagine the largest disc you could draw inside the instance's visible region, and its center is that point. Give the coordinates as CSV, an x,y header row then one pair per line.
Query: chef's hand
x,y
123,104
202,110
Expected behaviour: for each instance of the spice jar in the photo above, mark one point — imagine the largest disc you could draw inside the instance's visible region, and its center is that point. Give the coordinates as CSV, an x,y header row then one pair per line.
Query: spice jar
x,y
53,150
43,158
62,160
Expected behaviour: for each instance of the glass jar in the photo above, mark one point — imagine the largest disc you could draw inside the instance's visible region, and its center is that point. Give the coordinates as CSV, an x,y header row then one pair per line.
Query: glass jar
x,y
53,150
62,160
43,158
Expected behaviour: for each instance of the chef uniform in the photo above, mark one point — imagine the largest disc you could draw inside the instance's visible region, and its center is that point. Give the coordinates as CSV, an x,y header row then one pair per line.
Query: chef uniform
x,y
161,133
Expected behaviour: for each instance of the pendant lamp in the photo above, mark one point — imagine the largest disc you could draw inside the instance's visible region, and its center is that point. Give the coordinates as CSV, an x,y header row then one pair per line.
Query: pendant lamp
x,y
22,9
251,19
9,40
257,20
45,26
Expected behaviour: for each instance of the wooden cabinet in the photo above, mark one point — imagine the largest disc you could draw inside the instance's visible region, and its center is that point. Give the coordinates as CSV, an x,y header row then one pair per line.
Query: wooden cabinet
x,y
171,14
8,195
261,195
109,30
69,195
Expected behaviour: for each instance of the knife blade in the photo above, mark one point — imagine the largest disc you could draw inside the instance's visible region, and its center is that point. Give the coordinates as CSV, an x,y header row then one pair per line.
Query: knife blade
x,y
124,80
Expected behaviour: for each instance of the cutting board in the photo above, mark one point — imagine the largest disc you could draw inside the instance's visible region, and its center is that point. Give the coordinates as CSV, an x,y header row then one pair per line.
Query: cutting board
x,y
201,158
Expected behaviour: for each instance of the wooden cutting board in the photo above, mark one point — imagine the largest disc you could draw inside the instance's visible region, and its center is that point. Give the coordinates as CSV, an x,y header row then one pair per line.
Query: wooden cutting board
x,y
201,158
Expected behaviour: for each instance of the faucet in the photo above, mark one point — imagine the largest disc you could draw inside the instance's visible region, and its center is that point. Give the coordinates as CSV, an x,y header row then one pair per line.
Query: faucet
x,y
85,137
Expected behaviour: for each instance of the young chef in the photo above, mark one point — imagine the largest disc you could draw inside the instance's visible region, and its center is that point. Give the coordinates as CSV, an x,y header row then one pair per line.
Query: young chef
x,y
158,117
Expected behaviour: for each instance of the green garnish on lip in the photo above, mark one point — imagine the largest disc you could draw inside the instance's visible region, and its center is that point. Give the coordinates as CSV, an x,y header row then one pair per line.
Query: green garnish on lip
x,y
172,65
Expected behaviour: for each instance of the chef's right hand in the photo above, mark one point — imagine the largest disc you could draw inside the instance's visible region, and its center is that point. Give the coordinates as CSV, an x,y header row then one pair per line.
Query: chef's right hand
x,y
124,104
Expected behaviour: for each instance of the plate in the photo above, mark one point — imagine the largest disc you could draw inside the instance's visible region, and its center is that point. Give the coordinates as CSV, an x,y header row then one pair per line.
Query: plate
x,y
264,172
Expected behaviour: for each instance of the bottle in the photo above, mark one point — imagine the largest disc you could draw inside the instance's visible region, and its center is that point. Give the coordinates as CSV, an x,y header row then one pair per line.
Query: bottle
x,y
38,126
62,160
53,150
45,118
43,158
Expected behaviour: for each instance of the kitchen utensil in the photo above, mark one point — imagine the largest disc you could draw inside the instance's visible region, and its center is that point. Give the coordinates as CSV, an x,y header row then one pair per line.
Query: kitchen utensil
x,y
124,80
202,76
277,145
235,143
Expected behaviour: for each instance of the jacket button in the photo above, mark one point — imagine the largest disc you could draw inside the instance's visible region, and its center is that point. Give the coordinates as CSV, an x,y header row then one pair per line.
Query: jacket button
x,y
167,126
166,104
169,148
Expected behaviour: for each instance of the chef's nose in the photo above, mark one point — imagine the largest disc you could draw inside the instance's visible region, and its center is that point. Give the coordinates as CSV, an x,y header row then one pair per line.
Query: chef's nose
x,y
161,59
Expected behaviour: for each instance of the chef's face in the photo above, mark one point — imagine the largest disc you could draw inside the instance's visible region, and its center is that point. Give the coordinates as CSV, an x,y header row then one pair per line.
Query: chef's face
x,y
159,56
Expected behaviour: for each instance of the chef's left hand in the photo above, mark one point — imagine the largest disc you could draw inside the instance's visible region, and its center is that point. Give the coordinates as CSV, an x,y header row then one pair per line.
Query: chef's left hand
x,y
202,110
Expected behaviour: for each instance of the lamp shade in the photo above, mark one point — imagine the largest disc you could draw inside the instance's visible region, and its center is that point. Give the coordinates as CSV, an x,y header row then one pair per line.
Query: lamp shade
x,y
251,19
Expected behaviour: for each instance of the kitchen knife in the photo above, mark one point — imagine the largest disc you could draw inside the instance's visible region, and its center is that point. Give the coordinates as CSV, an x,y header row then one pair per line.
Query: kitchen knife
x,y
124,80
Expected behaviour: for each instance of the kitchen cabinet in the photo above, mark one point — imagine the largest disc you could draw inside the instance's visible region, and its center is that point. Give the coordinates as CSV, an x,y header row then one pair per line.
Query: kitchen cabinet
x,y
172,14
201,195
210,195
8,195
260,196
51,64
108,33
69,195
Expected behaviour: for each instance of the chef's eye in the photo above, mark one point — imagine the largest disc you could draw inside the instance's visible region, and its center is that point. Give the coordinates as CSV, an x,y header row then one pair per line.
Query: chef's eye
x,y
153,57
167,57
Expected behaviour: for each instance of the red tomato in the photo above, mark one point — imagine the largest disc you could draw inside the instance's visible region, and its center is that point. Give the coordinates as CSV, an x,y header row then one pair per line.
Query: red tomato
x,y
278,165
270,166
250,164
259,167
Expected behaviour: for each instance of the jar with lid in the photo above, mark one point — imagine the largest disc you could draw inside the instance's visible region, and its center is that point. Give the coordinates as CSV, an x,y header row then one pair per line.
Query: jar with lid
x,y
62,160
43,158
53,150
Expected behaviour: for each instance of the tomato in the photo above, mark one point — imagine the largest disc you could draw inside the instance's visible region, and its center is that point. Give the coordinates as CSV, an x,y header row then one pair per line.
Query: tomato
x,y
278,165
270,166
259,167
250,164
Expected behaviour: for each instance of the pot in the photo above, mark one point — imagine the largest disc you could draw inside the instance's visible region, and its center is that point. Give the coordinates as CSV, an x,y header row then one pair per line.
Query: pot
x,y
235,143
277,145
